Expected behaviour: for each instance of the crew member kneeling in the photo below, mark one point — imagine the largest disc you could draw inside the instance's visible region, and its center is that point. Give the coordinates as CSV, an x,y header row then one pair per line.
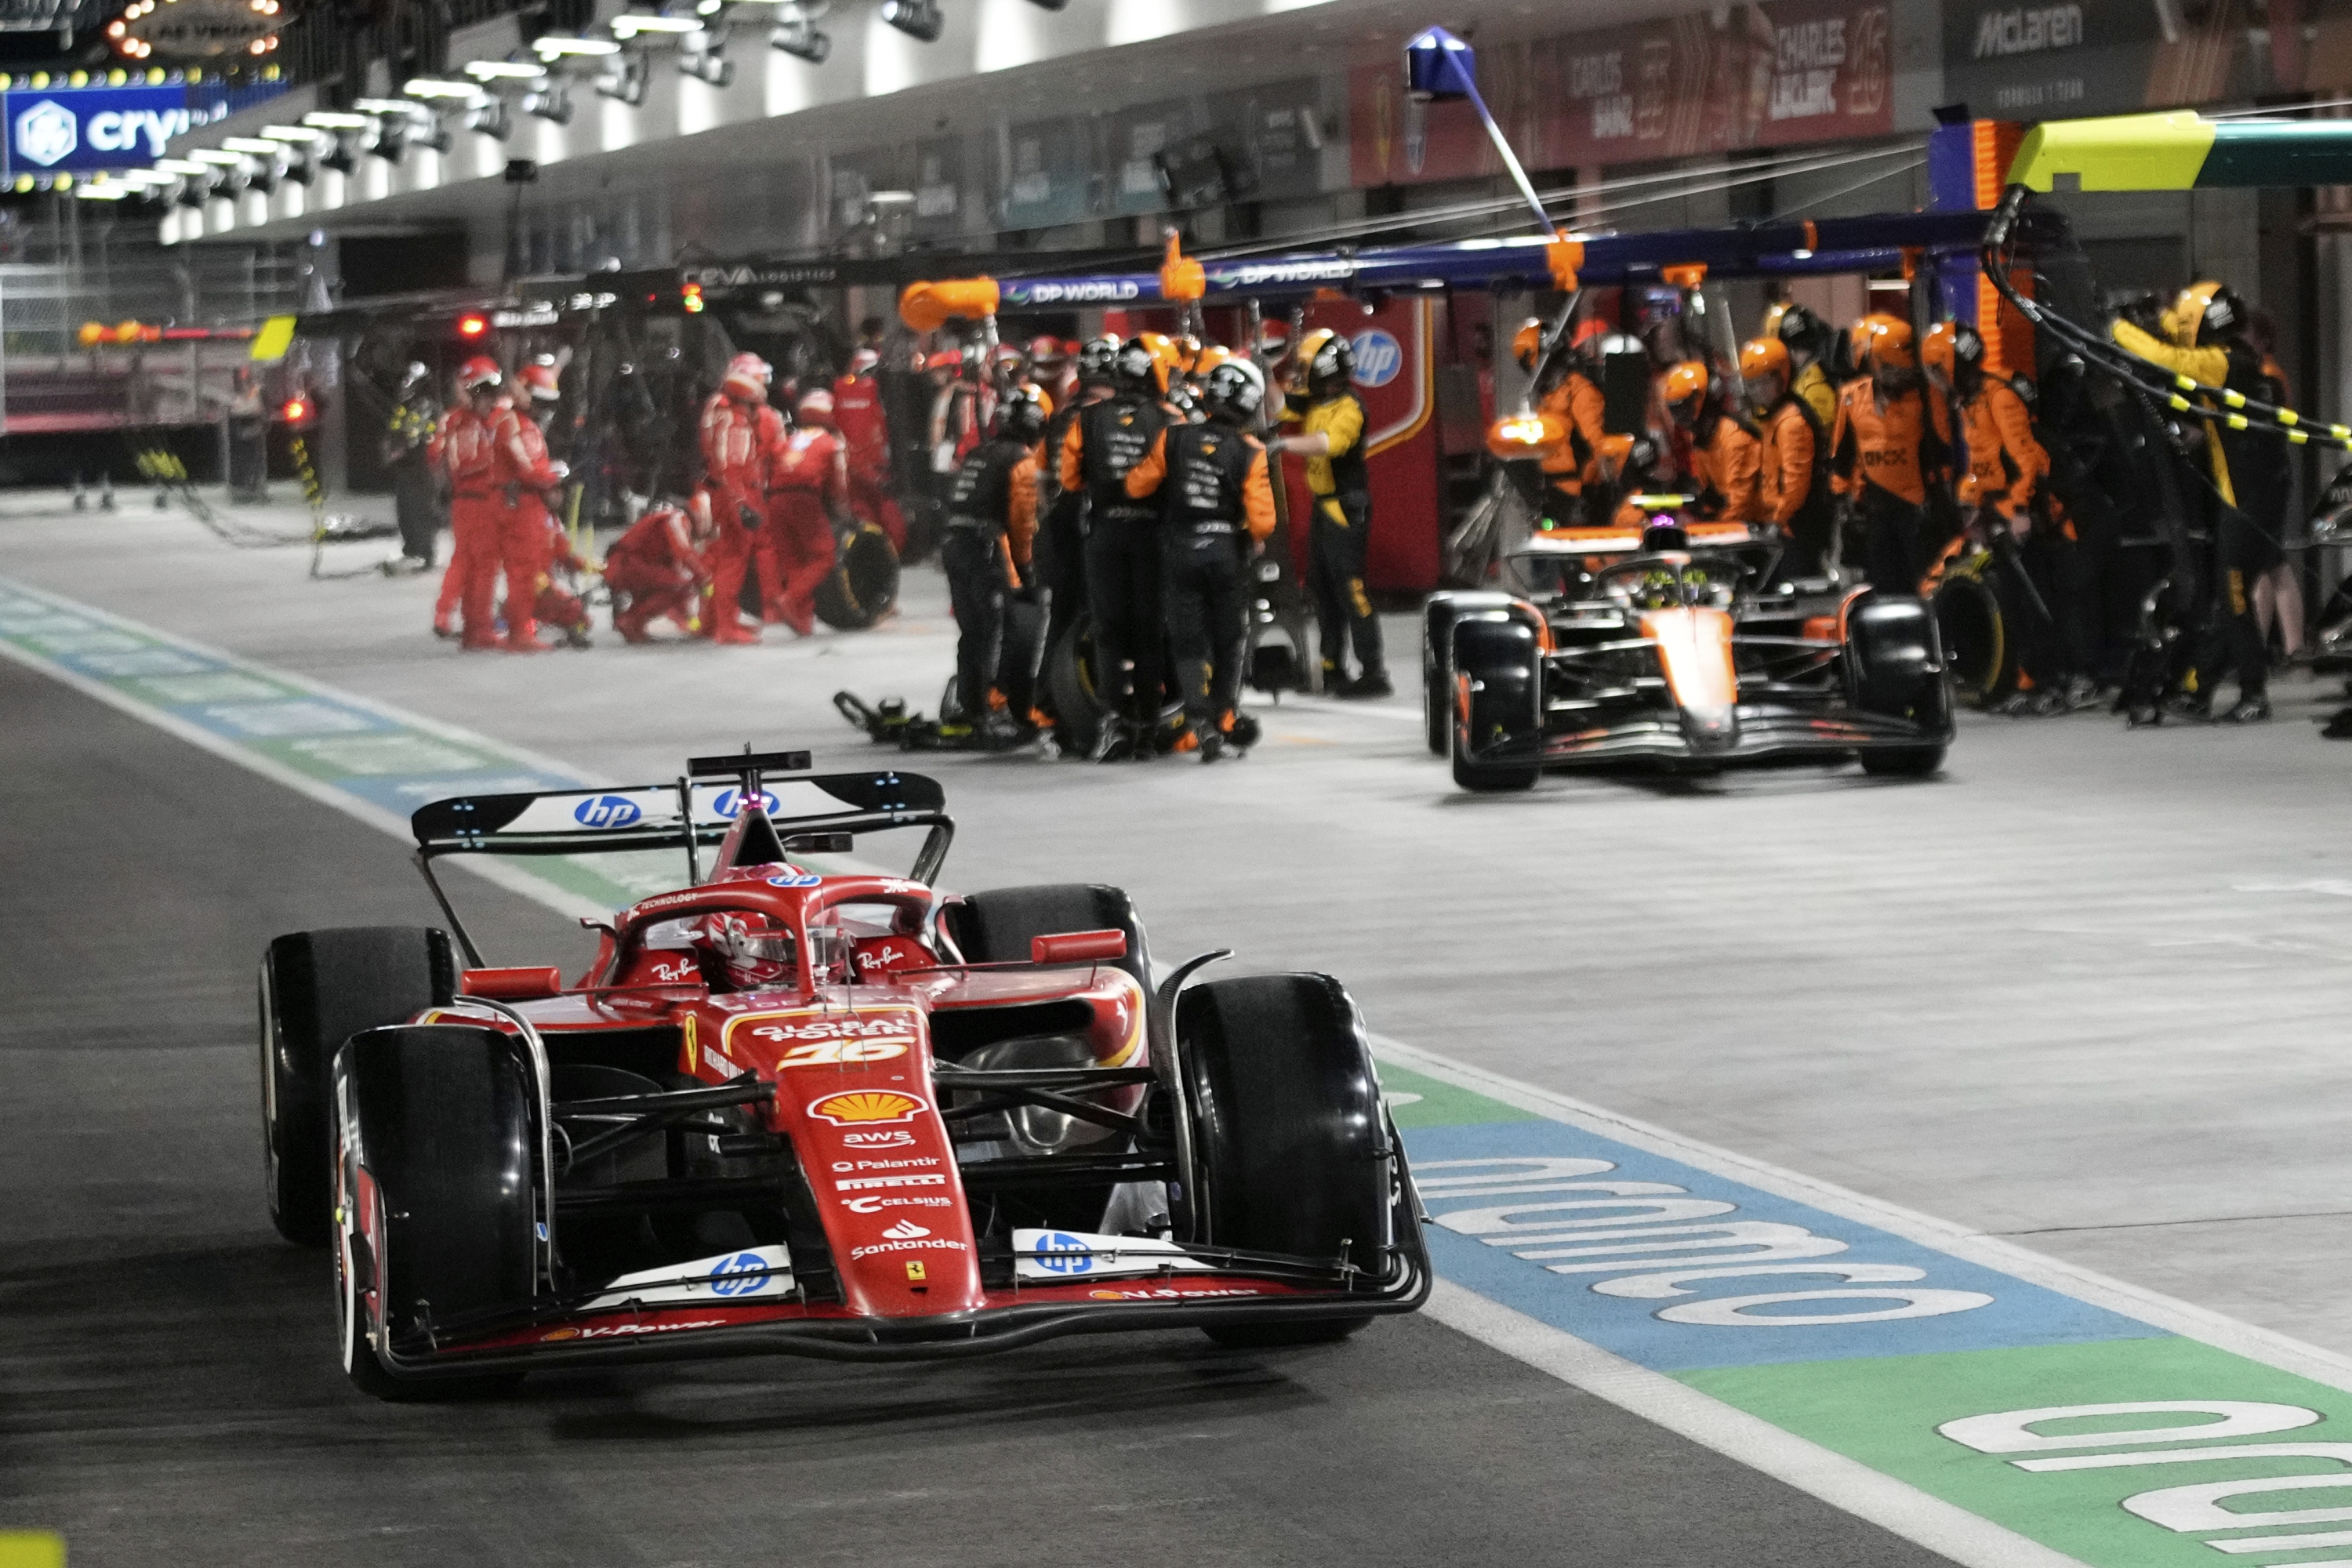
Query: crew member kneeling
x,y
657,569
1214,483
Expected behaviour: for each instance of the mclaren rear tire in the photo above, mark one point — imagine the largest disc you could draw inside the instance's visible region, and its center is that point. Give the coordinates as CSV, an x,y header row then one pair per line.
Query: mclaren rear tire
x,y
441,1118
317,989
1439,616
1079,711
863,585
1502,669
1292,1149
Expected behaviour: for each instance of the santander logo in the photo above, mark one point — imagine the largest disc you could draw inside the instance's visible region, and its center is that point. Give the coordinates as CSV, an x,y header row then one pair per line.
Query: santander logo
x,y
905,1230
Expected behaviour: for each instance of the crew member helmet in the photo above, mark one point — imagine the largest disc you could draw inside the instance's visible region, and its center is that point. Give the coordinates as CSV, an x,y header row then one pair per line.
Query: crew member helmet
x,y
1683,382
865,362
479,374
1136,368
747,378
1760,357
1235,390
815,407
1883,341
1098,360
1021,416
1526,343
1952,347
2205,313
1329,359
540,377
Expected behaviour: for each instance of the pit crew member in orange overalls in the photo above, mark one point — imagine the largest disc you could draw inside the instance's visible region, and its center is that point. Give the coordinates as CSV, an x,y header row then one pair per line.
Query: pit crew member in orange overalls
x,y
1884,454
1790,494
866,433
1726,451
1572,398
808,497
741,439
657,569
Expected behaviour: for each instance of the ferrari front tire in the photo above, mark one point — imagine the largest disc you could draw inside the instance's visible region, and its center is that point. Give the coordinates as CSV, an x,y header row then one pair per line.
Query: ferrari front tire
x,y
317,989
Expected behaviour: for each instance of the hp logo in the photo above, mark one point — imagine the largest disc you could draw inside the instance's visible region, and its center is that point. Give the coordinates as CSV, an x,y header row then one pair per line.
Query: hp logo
x,y
1379,357
1065,1254
729,803
606,810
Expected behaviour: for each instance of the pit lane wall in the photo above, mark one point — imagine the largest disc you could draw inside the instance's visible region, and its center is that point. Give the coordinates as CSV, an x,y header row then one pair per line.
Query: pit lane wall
x,y
2112,1427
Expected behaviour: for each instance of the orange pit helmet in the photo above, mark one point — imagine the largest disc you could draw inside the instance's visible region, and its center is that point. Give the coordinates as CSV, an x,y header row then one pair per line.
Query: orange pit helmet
x,y
1526,343
1760,357
1883,341
1683,382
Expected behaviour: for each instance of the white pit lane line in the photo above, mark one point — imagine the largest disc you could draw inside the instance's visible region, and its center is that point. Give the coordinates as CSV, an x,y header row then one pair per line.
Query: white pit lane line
x,y
1846,1483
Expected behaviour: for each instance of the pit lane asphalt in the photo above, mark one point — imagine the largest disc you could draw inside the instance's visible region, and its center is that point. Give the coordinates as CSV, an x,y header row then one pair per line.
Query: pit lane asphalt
x,y
168,1390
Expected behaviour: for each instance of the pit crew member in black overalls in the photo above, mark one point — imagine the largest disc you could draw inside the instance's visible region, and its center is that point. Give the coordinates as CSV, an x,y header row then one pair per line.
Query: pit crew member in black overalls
x,y
991,518
1217,500
1061,569
1122,550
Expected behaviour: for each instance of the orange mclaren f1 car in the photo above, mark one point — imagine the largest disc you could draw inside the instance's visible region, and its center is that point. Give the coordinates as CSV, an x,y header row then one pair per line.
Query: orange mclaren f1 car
x,y
1676,646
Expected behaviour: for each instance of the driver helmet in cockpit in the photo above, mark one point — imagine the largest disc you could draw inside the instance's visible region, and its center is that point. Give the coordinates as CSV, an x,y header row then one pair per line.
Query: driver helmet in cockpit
x,y
754,951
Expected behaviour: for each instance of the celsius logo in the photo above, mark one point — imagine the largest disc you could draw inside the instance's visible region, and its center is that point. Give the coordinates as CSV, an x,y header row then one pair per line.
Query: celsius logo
x,y
1065,1254
606,810
745,1274
1379,357
729,803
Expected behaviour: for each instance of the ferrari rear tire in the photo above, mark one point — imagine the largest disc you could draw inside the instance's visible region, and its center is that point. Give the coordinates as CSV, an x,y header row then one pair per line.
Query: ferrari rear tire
x,y
863,585
441,1118
1292,1149
995,927
317,989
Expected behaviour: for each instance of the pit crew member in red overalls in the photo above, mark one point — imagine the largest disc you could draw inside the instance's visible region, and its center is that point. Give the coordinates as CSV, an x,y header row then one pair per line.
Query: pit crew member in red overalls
x,y
742,438
808,495
558,605
865,432
657,569
482,449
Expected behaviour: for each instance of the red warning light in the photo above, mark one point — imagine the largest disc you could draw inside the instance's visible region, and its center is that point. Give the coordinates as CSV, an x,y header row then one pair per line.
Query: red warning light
x,y
472,326
296,411
690,296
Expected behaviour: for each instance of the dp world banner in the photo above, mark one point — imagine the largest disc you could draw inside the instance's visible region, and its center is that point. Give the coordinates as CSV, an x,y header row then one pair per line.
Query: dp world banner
x,y
73,130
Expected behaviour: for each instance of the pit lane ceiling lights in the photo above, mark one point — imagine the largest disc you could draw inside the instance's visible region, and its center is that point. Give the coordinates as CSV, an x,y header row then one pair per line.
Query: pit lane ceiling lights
x,y
551,49
505,70
918,19
439,87
629,24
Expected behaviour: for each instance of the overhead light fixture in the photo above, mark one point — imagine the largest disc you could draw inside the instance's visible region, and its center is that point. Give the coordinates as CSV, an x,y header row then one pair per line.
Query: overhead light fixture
x,y
391,139
255,145
918,19
301,171
800,38
218,158
557,48
505,70
437,86
491,118
293,136
109,193
629,24
1051,5
625,82
187,168
550,101
407,108
707,65
338,158
336,120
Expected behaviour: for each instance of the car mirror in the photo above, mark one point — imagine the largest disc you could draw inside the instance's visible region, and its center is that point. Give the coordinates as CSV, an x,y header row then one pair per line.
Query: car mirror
x,y
524,984
1077,946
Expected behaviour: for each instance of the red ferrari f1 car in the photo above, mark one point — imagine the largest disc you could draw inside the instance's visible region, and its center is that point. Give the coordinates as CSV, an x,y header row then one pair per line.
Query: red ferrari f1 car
x,y
837,1115
1676,646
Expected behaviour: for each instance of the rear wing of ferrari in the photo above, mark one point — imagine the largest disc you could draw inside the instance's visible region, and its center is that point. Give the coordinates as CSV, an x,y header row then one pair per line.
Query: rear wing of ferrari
x,y
820,813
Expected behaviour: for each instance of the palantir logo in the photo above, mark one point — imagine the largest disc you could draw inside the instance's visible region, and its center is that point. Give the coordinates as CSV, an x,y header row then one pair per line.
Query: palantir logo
x,y
47,133
1065,1254
606,810
729,803
1379,357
